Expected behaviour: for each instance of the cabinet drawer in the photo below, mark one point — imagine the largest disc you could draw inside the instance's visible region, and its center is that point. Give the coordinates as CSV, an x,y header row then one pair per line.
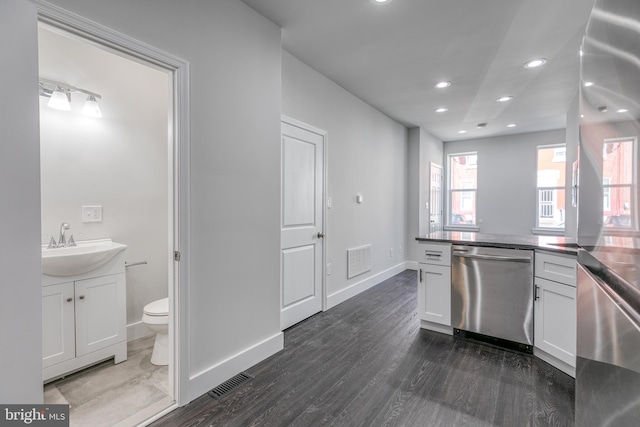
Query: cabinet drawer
x,y
435,253
561,269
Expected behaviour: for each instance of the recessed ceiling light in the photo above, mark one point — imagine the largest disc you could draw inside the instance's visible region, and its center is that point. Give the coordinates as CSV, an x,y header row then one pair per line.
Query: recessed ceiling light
x,y
504,98
587,84
380,1
535,63
603,109
462,131
441,110
481,125
511,125
622,110
442,85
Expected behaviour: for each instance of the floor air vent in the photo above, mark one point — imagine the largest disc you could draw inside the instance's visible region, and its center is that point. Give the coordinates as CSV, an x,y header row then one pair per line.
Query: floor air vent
x,y
229,385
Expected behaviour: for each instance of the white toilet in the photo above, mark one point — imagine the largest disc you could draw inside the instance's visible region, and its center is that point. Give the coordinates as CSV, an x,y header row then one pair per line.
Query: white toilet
x,y
156,317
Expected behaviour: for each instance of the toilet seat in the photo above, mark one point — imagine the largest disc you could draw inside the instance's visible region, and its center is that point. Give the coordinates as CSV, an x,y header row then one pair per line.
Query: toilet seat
x,y
157,308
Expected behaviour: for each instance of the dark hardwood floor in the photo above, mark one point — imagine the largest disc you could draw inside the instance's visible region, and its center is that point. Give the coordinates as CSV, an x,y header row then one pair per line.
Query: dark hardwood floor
x,y
366,362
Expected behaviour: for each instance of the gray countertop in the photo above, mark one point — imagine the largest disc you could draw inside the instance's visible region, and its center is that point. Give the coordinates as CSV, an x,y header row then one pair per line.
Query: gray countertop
x,y
549,243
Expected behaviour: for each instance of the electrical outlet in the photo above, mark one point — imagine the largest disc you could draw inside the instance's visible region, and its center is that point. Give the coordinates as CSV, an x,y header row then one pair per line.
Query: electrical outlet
x,y
329,202
92,214
329,269
391,253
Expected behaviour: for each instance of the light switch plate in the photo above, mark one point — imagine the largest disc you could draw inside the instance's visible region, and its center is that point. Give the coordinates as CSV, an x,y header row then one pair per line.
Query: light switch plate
x,y
92,214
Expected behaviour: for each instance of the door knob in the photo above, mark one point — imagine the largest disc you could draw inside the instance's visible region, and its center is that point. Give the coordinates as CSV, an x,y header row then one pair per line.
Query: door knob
x,y
320,234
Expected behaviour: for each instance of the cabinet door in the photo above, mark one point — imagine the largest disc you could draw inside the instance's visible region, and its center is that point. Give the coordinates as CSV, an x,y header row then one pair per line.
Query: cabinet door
x,y
100,313
58,329
555,320
434,294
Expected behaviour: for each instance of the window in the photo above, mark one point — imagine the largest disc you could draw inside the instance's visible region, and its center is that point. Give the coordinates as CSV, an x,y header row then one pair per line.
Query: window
x,y
618,186
551,187
463,187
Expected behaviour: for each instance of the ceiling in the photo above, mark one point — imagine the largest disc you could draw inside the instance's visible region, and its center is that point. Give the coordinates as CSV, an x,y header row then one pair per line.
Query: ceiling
x,y
391,55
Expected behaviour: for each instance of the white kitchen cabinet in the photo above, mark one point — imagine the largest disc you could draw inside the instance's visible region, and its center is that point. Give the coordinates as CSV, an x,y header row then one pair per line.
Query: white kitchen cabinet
x,y
555,311
58,329
434,288
434,304
83,320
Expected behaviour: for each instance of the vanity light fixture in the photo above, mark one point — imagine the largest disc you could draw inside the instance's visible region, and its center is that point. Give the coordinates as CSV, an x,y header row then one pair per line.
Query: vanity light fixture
x,y
91,107
441,110
442,85
59,95
535,63
505,98
60,99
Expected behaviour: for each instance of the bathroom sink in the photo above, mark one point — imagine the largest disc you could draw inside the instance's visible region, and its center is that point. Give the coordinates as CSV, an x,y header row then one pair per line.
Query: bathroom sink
x,y
80,259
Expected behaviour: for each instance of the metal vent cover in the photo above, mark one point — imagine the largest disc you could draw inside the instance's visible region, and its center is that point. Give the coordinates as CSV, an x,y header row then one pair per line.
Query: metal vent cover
x,y
229,385
358,260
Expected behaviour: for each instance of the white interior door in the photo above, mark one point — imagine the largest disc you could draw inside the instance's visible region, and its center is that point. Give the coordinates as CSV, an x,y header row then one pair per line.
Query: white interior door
x,y
435,195
301,255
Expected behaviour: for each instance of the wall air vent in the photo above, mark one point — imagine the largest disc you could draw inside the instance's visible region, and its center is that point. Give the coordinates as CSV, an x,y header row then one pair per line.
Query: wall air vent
x,y
358,260
229,385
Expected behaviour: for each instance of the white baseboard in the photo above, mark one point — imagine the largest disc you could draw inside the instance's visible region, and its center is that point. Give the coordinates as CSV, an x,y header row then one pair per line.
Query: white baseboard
x,y
137,330
204,381
353,290
412,265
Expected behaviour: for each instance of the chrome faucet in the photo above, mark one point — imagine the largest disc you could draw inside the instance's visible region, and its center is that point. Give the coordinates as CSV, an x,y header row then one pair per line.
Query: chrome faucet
x,y
61,241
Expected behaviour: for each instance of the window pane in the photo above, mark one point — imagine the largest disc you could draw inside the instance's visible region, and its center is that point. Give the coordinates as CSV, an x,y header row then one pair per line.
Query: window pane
x,y
551,208
617,162
550,192
464,171
617,214
551,167
463,207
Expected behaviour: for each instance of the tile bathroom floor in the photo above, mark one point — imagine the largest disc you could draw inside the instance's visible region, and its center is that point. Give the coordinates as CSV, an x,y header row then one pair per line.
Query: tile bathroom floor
x,y
114,395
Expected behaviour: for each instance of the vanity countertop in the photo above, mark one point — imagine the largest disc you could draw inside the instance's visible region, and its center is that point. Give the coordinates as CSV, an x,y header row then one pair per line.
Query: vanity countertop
x,y
548,243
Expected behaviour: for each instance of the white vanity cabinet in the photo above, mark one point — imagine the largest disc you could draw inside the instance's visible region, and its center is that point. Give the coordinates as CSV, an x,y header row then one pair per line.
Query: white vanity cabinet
x,y
555,310
84,319
434,287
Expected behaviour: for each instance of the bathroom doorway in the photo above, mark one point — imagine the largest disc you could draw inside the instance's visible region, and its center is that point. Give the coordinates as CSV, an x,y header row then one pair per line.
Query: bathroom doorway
x,y
113,177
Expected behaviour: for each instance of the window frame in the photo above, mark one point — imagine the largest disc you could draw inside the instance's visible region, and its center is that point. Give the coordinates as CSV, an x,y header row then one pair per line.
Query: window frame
x,y
465,192
540,190
632,186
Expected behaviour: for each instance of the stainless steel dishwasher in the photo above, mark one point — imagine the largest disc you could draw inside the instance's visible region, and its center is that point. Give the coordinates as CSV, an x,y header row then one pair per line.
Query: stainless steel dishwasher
x,y
492,295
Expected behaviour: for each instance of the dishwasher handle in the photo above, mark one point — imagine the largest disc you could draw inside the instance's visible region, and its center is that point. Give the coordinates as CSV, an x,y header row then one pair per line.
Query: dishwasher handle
x,y
492,257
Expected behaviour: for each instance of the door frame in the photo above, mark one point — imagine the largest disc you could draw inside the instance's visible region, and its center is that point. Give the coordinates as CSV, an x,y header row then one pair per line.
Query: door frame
x,y
325,143
179,213
441,201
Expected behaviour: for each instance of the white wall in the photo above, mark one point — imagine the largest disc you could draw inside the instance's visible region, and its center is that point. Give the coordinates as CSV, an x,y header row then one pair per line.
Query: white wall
x,y
119,161
506,198
367,154
20,288
424,149
234,54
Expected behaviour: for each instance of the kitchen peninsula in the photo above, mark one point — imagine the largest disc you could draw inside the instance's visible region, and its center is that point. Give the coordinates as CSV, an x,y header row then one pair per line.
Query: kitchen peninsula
x,y
518,292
